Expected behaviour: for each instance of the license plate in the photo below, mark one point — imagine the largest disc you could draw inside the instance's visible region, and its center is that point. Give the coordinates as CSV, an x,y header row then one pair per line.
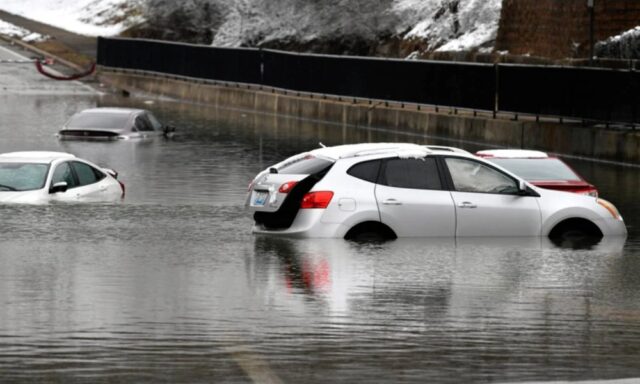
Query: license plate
x,y
260,198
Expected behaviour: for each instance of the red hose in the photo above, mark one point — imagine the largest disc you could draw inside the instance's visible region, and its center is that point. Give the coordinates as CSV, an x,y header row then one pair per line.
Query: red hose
x,y
72,77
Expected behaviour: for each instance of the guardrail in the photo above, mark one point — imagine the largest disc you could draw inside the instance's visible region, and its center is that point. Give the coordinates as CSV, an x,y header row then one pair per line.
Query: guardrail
x,y
608,95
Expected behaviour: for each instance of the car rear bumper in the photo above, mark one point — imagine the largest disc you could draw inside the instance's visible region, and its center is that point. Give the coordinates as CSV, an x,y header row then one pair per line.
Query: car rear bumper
x,y
307,224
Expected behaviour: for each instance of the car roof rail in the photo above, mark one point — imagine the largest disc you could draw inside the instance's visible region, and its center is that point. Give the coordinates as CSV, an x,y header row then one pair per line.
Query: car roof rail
x,y
446,149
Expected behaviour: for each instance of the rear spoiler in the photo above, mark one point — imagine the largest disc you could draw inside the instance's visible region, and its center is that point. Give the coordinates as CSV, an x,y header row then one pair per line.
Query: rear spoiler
x,y
87,134
111,172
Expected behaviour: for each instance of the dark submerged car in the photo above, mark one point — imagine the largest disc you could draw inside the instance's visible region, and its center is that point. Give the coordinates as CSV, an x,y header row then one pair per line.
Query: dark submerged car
x,y
113,124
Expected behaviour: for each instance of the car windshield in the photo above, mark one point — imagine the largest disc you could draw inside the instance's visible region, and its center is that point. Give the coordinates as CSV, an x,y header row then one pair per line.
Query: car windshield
x,y
22,176
99,120
538,169
306,166
154,121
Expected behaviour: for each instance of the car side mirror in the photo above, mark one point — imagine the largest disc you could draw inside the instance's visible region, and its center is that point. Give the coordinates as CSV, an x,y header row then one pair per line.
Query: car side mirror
x,y
522,186
59,187
524,190
168,130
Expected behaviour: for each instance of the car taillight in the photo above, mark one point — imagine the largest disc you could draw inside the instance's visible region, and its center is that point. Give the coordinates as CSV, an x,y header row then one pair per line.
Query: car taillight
x,y
320,199
589,192
287,187
121,186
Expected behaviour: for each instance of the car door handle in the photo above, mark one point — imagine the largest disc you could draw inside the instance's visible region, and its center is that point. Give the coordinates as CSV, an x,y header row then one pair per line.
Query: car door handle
x,y
466,204
391,202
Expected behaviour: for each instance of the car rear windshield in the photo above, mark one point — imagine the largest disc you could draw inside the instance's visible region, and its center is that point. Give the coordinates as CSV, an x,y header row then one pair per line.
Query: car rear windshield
x,y
99,120
538,169
305,166
22,176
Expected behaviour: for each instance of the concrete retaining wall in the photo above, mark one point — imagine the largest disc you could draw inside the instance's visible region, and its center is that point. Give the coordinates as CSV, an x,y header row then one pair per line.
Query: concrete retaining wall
x,y
567,139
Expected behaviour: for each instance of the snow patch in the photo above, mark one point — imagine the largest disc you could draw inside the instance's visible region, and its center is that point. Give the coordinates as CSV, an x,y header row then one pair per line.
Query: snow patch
x,y
455,25
623,46
632,33
16,32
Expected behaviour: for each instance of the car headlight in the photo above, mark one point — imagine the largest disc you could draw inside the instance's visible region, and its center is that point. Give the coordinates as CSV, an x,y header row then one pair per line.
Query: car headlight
x,y
611,208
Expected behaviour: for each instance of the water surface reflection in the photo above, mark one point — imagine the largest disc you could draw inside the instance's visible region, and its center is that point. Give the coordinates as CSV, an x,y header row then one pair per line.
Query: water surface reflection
x,y
169,285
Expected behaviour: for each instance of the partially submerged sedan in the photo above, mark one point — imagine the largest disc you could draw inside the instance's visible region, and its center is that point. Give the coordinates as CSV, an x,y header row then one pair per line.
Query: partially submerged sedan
x,y
540,169
407,190
42,177
113,124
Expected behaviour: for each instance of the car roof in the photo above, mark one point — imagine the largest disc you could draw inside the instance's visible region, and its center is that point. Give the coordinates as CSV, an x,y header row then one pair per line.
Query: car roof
x,y
113,110
513,154
43,157
368,149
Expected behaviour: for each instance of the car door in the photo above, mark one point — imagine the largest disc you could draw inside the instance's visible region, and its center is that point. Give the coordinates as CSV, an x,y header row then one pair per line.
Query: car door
x,y
92,183
488,202
412,201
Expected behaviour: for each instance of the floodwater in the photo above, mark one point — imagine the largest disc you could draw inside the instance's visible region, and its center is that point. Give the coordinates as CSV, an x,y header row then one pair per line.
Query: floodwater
x,y
170,286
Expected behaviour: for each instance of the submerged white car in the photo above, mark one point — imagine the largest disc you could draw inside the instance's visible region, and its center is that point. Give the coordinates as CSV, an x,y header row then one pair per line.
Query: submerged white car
x,y
407,190
42,177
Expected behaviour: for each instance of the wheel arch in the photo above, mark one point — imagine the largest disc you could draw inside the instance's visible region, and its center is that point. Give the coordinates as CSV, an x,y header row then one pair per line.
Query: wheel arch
x,y
370,228
583,224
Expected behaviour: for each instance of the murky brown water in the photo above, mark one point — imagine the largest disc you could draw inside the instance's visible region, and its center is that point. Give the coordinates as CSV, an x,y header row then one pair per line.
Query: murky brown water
x,y
170,286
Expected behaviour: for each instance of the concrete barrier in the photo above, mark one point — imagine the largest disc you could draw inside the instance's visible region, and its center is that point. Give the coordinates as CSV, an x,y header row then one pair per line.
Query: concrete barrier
x,y
569,139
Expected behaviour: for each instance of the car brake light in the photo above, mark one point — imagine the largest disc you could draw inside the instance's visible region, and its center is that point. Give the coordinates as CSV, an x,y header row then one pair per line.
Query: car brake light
x,y
588,192
320,199
287,187
121,186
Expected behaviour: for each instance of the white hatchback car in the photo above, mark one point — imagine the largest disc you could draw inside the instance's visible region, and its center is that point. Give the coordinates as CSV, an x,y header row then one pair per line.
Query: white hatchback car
x,y
408,190
42,177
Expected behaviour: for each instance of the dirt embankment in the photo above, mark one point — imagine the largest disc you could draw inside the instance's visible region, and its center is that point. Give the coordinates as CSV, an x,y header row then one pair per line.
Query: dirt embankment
x,y
77,49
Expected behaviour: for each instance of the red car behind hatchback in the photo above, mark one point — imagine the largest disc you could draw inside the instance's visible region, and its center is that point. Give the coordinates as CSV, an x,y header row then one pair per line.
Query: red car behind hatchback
x,y
540,169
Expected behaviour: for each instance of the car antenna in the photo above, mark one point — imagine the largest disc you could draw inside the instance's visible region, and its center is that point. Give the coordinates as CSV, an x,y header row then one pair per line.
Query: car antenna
x,y
322,145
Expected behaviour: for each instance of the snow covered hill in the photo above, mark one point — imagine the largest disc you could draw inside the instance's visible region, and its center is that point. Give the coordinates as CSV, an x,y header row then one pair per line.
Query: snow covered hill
x,y
339,26
85,17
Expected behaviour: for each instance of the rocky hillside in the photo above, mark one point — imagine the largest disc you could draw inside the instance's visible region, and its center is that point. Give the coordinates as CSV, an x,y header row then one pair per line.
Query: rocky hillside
x,y
362,27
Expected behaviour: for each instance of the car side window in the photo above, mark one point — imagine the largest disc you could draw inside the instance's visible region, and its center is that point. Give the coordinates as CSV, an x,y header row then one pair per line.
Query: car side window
x,y
367,171
63,173
412,173
473,176
143,124
86,173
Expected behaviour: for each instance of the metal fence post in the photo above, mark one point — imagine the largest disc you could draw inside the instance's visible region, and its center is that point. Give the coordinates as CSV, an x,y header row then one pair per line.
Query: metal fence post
x,y
496,101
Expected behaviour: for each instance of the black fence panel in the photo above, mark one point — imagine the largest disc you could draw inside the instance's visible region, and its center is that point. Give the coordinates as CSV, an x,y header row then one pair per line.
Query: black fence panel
x,y
224,64
584,93
460,85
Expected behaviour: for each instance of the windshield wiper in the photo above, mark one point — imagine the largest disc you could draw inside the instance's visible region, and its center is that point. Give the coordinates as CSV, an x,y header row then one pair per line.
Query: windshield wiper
x,y
7,187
